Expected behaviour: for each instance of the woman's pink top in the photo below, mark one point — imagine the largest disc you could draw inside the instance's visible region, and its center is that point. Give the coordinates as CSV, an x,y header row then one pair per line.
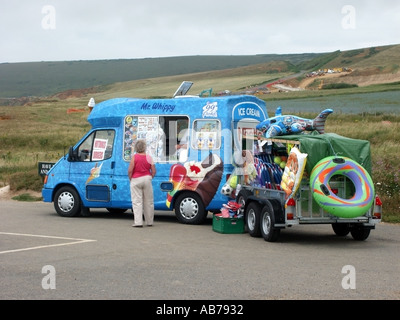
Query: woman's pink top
x,y
142,165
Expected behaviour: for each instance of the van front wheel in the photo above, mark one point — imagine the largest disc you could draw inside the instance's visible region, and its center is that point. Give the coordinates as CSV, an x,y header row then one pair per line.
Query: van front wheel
x,y
189,208
67,202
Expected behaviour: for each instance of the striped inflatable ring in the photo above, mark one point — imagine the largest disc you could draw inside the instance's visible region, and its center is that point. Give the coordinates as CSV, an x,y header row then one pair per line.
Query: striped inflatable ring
x,y
363,197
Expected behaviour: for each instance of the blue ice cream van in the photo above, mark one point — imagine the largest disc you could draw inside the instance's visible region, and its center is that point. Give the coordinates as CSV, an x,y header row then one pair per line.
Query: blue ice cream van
x,y
189,179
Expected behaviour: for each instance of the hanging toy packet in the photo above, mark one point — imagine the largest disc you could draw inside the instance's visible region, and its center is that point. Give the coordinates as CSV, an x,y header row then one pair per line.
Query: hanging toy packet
x,y
293,172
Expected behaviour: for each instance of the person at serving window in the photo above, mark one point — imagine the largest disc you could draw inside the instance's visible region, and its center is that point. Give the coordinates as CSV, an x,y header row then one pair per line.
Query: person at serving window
x,y
141,171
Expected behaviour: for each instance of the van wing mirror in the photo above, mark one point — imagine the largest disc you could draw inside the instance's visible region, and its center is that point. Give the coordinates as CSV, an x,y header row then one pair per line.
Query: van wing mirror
x,y
72,155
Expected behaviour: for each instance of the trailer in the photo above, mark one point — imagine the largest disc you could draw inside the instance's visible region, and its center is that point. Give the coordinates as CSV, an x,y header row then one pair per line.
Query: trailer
x,y
267,209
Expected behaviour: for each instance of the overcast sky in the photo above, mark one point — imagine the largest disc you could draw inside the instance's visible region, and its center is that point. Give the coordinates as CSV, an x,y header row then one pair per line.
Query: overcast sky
x,y
55,30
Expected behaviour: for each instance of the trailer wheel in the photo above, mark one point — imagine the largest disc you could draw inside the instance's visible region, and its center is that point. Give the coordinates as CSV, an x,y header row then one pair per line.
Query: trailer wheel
x,y
189,208
67,202
241,199
341,229
252,218
359,232
267,224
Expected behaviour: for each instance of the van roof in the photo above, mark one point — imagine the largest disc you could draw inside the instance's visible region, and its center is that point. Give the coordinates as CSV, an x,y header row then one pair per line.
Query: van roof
x,y
110,112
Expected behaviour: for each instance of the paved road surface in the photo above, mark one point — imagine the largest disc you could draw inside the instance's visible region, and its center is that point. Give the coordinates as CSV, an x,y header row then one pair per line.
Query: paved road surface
x,y
103,257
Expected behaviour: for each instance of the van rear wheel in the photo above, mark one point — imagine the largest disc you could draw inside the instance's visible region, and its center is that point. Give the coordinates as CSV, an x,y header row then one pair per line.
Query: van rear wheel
x,y
67,202
189,208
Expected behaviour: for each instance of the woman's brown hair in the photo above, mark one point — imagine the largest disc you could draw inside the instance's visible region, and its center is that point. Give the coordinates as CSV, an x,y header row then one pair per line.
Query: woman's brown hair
x,y
140,146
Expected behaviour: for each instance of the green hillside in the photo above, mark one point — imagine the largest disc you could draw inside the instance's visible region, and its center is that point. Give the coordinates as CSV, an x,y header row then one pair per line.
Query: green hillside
x,y
48,78
42,79
382,57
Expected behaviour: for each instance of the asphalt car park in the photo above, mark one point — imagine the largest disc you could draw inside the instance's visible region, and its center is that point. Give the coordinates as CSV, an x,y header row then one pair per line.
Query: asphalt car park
x,y
47,257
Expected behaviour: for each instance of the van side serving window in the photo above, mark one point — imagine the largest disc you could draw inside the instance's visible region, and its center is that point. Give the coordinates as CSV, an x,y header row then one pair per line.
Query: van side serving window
x,y
206,134
163,135
97,146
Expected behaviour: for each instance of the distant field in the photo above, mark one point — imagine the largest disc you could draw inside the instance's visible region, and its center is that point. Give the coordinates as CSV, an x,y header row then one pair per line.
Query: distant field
x,y
358,103
164,87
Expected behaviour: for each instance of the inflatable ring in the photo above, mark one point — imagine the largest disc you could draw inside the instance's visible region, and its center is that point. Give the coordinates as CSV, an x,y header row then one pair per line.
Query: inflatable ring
x,y
363,197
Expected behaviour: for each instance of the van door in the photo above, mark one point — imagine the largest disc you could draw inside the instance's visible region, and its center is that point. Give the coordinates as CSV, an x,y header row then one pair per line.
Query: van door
x,y
93,171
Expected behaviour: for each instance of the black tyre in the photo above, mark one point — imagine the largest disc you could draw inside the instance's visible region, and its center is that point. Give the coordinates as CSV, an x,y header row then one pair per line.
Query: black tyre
x,y
360,233
67,202
341,229
267,224
241,199
252,219
189,208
